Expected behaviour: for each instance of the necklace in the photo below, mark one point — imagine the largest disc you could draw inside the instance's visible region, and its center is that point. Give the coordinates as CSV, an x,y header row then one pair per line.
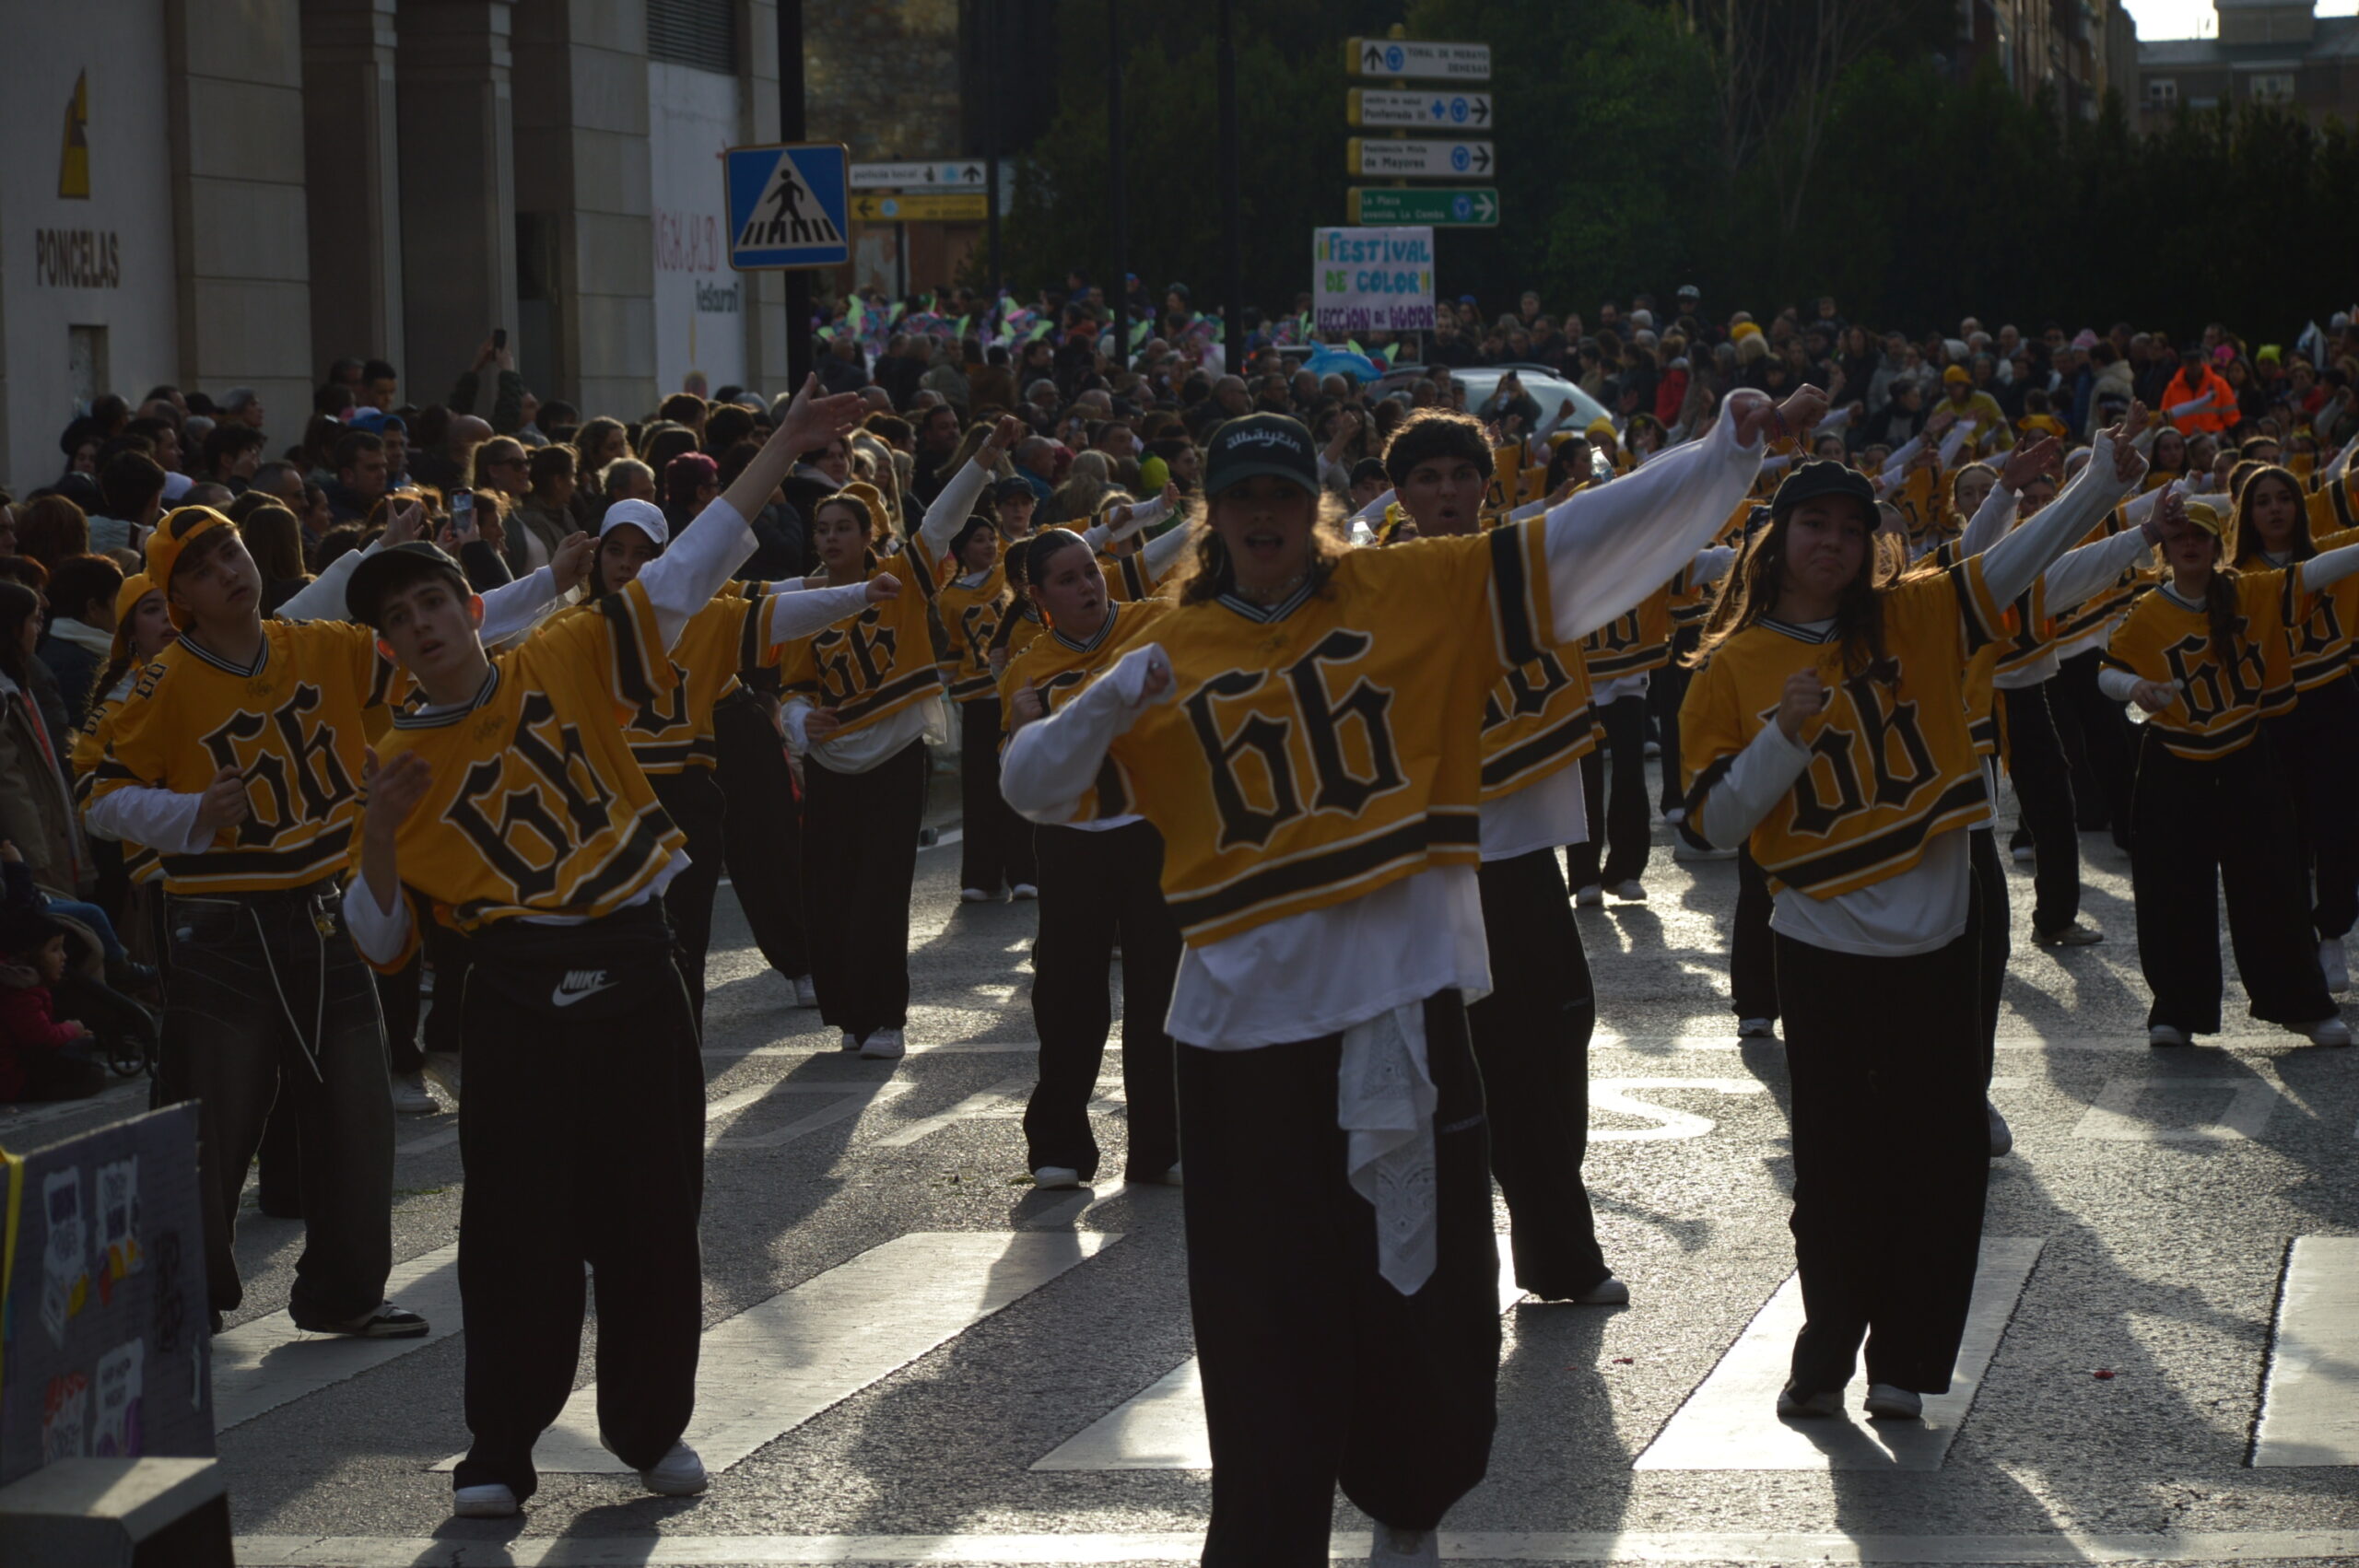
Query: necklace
x,y
1276,593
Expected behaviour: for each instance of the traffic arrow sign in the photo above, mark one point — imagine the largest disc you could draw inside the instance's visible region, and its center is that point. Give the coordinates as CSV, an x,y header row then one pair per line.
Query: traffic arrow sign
x,y
1475,207
956,174
1419,110
923,206
1417,160
1420,61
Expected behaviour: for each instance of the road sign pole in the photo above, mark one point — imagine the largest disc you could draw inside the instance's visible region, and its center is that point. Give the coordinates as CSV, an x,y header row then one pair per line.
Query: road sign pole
x,y
1118,293
1232,185
791,113
988,20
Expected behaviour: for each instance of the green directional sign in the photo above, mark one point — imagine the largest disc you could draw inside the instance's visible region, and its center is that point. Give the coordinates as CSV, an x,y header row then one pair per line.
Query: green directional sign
x,y
1465,207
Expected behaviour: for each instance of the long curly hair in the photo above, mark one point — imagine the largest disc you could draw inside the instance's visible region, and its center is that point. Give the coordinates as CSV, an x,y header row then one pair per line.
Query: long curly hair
x,y
1757,577
1206,572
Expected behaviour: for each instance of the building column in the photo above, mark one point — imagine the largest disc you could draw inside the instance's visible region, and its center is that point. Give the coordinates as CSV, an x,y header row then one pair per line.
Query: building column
x,y
763,292
350,141
234,106
585,204
458,189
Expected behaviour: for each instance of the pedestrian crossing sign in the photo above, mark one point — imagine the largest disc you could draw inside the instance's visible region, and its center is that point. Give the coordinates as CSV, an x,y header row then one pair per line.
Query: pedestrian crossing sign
x,y
788,206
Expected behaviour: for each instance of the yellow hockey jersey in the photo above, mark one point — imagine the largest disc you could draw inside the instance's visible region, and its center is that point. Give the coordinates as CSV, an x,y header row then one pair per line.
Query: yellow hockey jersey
x,y
971,616
140,863
537,805
2221,705
666,707
878,663
2335,506
1893,761
1632,643
1317,750
292,724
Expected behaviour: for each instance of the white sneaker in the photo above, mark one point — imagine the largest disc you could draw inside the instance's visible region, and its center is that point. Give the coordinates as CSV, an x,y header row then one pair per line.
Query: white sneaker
x,y
1676,816
442,1072
850,1042
679,1473
488,1502
1631,892
1888,1403
1608,1292
2023,854
410,1097
807,994
1055,1179
1022,891
1683,851
883,1044
1590,898
1755,1029
1404,1549
2335,966
2160,1035
1653,749
2002,1137
2327,1032
975,896
1795,1405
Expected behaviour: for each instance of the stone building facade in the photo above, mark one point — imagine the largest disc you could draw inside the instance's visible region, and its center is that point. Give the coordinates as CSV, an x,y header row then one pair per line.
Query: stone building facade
x,y
233,192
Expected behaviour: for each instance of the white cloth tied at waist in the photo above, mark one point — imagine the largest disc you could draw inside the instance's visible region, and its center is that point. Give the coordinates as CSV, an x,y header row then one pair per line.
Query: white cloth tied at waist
x,y
1385,1100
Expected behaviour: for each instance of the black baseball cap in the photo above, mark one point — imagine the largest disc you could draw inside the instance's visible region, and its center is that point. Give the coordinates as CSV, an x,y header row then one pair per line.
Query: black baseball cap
x,y
1819,478
399,567
1257,444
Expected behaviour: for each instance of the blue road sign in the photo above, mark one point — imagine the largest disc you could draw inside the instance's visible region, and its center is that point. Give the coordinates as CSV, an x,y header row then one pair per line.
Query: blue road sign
x,y
788,206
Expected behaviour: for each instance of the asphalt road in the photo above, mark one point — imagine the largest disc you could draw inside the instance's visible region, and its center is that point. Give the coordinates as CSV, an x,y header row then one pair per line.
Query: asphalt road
x,y
899,1329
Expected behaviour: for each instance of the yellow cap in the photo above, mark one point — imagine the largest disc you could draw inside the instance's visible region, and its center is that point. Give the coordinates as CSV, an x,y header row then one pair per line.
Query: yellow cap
x,y
1600,426
126,599
868,498
2206,516
181,527
1956,376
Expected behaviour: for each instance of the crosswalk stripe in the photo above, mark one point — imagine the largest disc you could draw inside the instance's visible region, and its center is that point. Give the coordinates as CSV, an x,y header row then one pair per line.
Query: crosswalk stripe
x,y
848,1100
1730,1422
1162,1426
1749,1546
2114,1116
260,1365
976,1104
2309,1405
776,1365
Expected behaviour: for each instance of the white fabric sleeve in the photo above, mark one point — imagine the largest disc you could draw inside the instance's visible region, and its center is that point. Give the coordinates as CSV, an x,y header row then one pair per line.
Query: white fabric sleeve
x,y
513,608
1549,423
951,508
1759,777
2080,575
790,714
2332,566
322,598
1375,508
2342,459
2117,683
1137,516
1774,464
1332,475
1712,564
1896,467
1051,763
2008,566
683,580
1991,522
1163,551
801,612
1532,508
163,820
1611,545
2136,508
1834,419
1953,443
379,934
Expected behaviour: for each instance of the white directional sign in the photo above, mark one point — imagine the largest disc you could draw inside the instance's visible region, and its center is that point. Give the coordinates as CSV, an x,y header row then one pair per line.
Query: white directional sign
x,y
1418,60
1438,111
955,174
1412,160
